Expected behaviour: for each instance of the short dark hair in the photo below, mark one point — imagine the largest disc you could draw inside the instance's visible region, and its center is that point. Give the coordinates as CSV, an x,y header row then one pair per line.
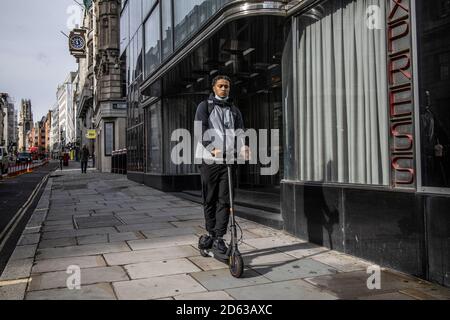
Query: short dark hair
x,y
220,77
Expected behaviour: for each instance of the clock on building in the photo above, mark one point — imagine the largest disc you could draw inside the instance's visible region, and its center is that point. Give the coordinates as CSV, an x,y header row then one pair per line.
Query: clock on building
x,y
77,42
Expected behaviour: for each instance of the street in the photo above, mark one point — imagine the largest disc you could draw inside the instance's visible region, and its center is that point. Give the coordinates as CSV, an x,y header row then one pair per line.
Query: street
x,y
14,194
101,236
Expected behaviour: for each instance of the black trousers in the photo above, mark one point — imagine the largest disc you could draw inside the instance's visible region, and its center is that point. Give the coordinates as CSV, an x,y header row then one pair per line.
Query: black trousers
x,y
216,197
83,166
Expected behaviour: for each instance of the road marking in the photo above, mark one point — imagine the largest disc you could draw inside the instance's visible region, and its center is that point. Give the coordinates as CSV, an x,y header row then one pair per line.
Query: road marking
x,y
13,282
6,233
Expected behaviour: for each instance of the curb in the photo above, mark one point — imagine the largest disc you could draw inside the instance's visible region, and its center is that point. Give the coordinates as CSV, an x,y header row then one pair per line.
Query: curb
x,y
16,276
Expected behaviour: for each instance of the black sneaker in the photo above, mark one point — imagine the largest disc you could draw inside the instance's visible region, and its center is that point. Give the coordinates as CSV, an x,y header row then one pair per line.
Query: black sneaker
x,y
205,242
220,246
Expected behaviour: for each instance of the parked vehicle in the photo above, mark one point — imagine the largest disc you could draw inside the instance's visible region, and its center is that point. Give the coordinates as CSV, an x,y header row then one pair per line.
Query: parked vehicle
x,y
4,160
24,157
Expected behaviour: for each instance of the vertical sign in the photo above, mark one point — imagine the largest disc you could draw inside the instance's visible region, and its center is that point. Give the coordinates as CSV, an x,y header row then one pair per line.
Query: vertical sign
x,y
401,102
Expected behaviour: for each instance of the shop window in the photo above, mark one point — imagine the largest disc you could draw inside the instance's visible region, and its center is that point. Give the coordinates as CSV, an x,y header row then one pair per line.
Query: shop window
x,y
342,95
434,94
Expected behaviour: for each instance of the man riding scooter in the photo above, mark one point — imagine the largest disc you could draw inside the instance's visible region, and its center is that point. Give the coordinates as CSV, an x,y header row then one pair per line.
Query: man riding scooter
x,y
220,115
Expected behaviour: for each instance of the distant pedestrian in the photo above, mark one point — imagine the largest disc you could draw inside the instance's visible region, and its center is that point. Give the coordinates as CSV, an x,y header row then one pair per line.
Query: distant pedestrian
x,y
84,159
61,159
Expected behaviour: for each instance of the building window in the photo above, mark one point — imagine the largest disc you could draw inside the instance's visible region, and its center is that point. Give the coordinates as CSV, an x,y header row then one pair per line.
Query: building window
x,y
148,5
190,15
434,94
167,31
342,95
152,42
124,29
153,126
109,138
135,15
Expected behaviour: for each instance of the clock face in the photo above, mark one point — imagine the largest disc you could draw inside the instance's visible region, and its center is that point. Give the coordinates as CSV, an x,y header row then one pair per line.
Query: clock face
x,y
77,42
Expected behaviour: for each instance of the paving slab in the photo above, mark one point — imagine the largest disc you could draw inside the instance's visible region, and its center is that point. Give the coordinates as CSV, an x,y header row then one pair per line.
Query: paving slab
x,y
222,279
102,291
211,295
77,233
58,279
286,290
158,254
158,287
147,226
17,269
302,250
96,238
60,227
428,292
170,232
271,242
388,296
124,236
189,223
342,262
266,257
208,263
353,285
23,252
61,264
160,268
60,242
163,242
29,239
294,270
12,291
84,250
147,219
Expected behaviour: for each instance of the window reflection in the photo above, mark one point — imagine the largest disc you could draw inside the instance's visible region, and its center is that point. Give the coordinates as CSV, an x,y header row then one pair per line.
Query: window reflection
x,y
135,15
152,40
124,30
190,15
166,20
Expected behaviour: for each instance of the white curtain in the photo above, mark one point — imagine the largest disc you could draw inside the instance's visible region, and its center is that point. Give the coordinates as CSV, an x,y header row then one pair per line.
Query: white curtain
x,y
342,92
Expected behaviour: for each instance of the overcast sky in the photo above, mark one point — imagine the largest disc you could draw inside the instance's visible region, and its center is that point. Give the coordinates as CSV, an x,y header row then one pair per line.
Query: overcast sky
x,y
34,55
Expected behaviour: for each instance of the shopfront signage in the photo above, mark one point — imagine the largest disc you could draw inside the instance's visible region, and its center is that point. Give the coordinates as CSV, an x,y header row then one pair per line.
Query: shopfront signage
x,y
91,134
401,94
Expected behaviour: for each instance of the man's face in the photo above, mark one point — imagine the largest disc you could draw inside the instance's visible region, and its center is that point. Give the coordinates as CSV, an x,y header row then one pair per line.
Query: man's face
x,y
222,88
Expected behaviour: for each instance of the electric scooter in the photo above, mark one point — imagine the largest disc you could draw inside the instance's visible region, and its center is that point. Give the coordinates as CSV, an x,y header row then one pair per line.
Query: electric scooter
x,y
232,257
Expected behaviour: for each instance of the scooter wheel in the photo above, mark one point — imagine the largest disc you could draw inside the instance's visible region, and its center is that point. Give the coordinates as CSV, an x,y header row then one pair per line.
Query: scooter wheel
x,y
236,265
204,253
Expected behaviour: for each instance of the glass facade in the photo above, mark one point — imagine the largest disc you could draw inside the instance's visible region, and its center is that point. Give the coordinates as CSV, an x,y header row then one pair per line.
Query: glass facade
x,y
152,41
166,23
153,136
190,15
433,24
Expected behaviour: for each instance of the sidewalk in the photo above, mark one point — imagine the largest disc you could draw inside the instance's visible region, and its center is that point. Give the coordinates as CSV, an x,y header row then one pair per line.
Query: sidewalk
x,y
134,242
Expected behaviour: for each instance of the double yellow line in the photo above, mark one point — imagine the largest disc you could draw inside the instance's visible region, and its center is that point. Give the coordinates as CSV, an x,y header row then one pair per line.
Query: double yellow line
x,y
6,233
